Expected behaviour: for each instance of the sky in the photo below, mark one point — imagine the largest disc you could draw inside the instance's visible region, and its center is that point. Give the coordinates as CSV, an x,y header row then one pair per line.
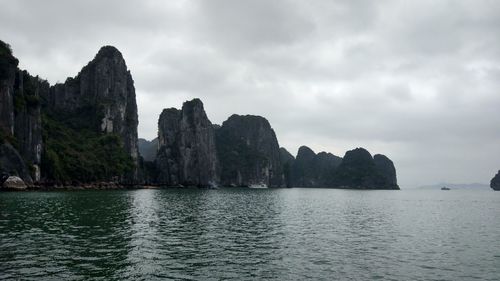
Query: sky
x,y
418,81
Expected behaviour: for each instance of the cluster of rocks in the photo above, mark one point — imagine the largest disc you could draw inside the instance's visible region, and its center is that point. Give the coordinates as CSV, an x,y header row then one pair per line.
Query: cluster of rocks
x,y
189,150
244,151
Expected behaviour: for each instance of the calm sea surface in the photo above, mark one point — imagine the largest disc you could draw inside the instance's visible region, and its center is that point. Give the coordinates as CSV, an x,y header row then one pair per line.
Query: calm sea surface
x,y
285,234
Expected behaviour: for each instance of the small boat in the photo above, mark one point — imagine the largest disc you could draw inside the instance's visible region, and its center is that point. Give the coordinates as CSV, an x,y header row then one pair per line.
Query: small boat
x,y
260,185
445,188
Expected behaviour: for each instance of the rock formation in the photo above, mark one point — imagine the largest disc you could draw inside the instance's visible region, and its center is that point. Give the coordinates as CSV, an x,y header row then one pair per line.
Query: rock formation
x,y
386,169
89,122
20,118
85,131
359,170
287,161
303,174
8,69
148,149
248,152
187,153
14,183
12,163
28,119
101,98
314,170
495,182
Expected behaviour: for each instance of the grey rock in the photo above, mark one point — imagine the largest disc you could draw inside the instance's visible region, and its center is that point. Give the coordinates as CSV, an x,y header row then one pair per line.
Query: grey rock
x,y
104,92
8,68
12,163
303,173
314,170
187,153
20,117
359,170
148,149
28,119
287,161
495,182
386,169
249,153
14,183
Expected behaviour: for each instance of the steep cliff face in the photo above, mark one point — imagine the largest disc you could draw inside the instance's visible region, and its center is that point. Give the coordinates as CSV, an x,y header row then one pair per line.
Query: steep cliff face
x,y
314,170
359,170
187,153
287,161
20,118
249,152
385,168
495,182
101,98
303,173
8,69
28,119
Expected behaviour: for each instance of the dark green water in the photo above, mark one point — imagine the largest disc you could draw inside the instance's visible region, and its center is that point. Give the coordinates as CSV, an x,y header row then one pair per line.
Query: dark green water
x,y
285,234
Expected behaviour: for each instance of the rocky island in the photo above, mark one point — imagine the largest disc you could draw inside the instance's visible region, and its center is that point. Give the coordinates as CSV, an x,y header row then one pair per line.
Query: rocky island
x,y
495,182
83,133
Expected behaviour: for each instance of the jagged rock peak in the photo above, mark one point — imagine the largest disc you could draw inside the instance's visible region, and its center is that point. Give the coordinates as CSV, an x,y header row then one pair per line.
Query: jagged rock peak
x,y
358,154
305,152
285,155
194,112
247,120
196,102
108,52
102,98
187,153
166,112
107,60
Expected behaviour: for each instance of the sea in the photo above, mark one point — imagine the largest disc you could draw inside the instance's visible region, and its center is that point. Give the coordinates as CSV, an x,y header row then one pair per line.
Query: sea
x,y
250,234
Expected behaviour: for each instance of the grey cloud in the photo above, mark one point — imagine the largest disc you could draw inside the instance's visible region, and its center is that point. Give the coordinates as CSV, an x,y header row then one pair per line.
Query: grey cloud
x,y
416,80
249,25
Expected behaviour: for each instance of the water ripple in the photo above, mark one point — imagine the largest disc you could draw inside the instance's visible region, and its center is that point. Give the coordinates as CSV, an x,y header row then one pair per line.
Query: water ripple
x,y
244,234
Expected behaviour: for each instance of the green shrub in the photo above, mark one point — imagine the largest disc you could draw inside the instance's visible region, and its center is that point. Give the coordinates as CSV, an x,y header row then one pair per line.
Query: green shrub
x,y
32,100
81,154
19,101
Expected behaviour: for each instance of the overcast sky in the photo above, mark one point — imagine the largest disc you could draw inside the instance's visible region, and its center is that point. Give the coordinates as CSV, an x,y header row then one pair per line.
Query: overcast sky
x,y
418,81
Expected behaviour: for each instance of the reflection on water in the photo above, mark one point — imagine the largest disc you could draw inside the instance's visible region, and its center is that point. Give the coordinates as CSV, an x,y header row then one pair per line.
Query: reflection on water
x,y
250,234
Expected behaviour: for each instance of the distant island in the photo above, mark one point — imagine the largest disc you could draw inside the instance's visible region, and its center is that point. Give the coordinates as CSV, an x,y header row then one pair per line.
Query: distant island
x,y
83,133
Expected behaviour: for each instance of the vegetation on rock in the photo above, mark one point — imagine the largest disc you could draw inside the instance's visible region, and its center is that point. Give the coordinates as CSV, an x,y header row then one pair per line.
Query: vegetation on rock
x,y
83,155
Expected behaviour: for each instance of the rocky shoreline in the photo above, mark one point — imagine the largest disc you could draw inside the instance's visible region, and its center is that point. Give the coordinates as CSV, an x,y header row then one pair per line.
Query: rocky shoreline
x,y
117,186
